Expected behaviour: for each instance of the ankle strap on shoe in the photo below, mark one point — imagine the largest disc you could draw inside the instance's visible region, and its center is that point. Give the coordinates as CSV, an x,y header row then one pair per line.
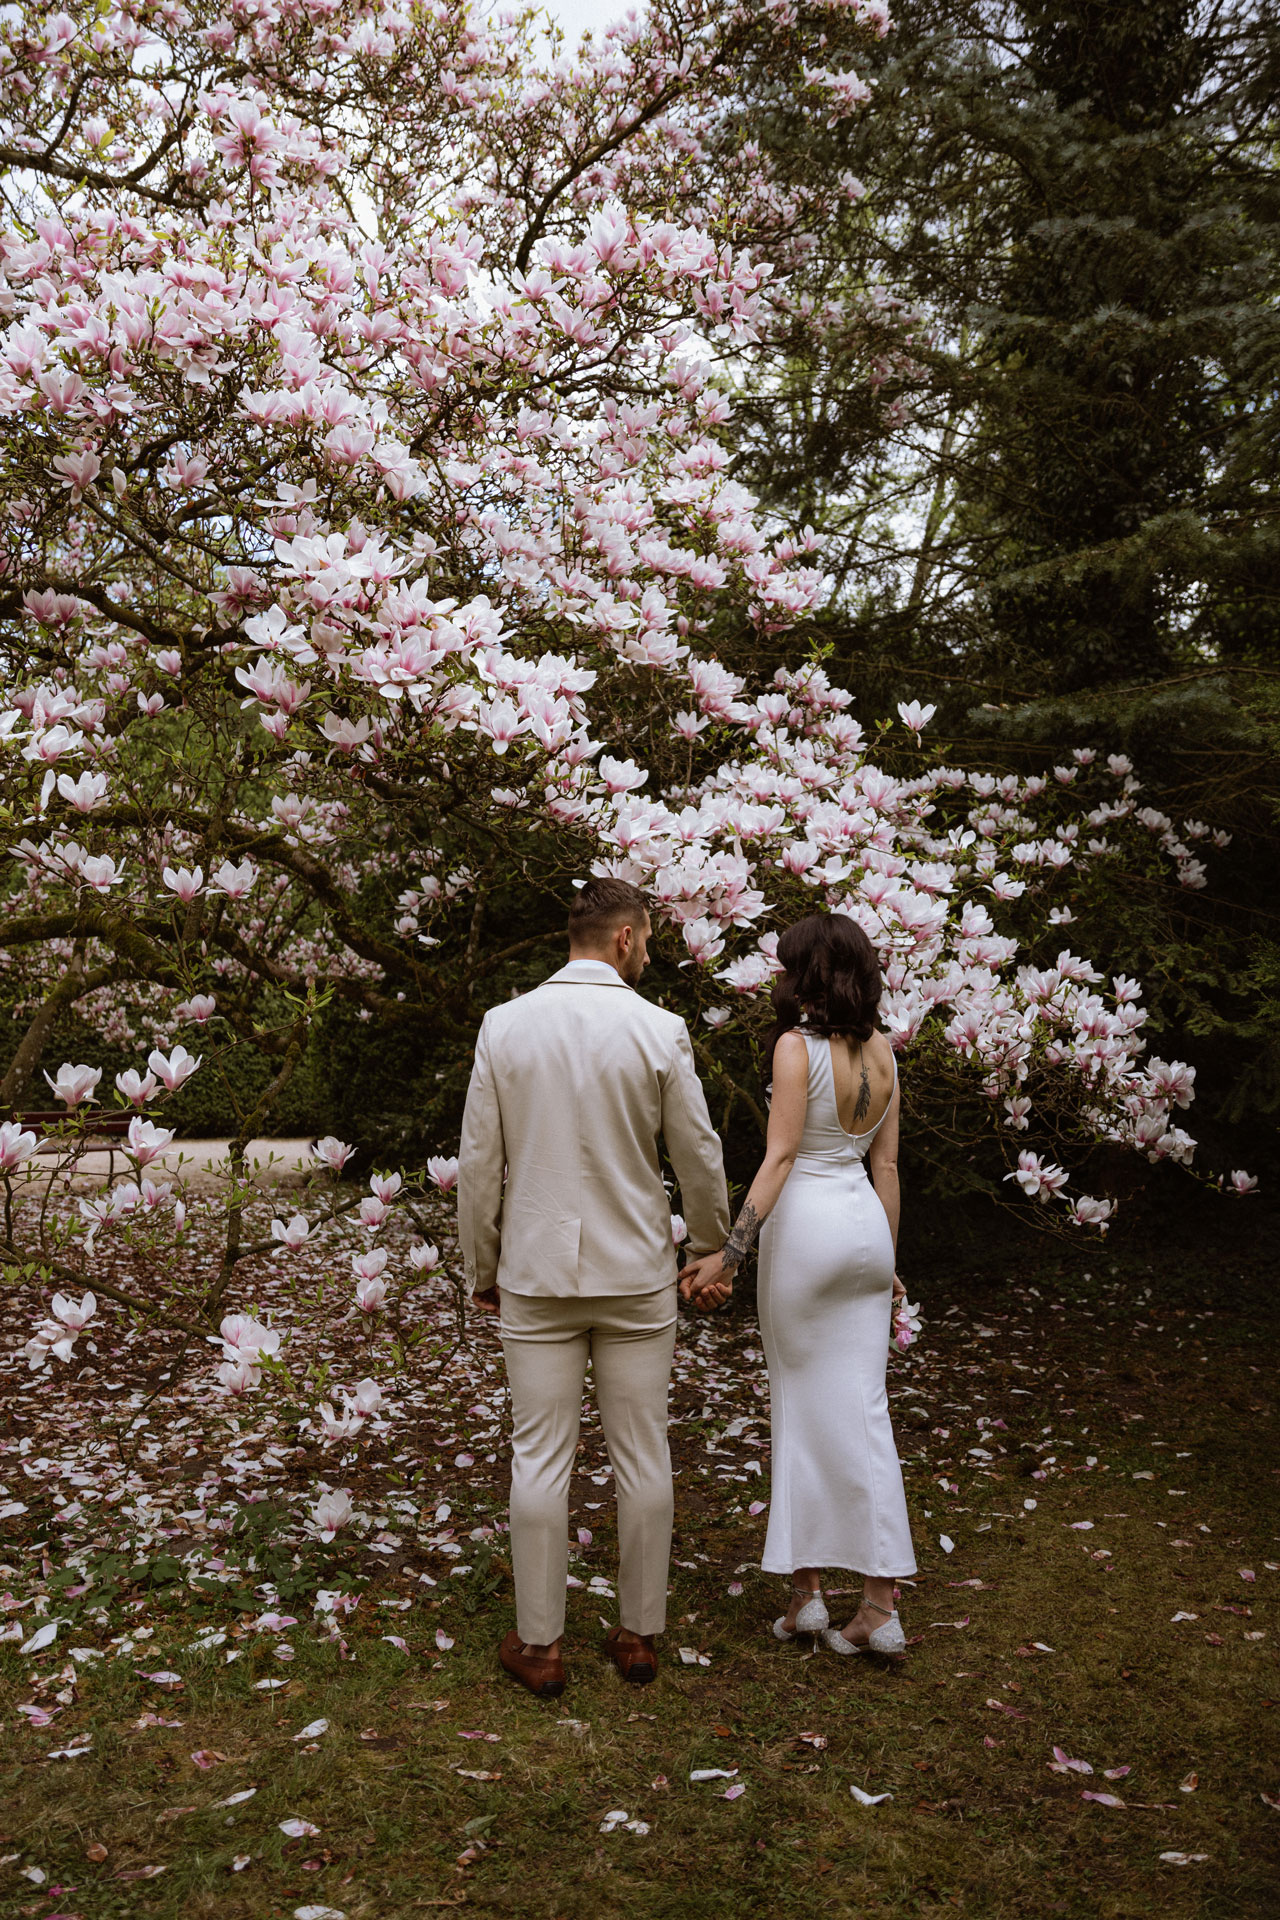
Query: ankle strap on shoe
x,y
810,1593
877,1608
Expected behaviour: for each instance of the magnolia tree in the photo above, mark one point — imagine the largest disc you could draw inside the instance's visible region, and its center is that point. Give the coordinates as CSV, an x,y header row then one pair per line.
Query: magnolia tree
x,y
367,523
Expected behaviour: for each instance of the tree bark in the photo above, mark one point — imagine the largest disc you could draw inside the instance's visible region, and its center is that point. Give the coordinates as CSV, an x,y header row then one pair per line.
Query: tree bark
x,y
73,985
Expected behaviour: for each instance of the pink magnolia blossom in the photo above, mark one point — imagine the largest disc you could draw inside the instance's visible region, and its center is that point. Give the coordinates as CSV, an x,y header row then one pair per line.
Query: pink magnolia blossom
x,y
336,1426
175,1069
1243,1182
235,881
184,883
332,1512
906,1325
137,1088
444,1172
703,939
49,1338
74,1086
423,1256
101,872
368,1398
332,1152
74,1314
915,717
244,1338
78,471
147,1141
371,1295
200,1008
17,1145
86,794
238,1377
1038,1180
291,1233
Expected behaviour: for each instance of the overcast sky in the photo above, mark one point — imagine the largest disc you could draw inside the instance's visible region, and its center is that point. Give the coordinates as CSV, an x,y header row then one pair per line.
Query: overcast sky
x,y
577,15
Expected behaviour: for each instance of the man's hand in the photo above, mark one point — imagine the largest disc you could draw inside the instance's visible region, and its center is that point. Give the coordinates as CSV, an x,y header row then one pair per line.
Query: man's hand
x,y
488,1301
706,1283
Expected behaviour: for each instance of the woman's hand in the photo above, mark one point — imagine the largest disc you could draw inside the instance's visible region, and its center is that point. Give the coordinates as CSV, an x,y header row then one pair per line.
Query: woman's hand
x,y
899,1291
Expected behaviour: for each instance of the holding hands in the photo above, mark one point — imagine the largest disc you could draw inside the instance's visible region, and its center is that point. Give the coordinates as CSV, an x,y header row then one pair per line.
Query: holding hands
x,y
706,1282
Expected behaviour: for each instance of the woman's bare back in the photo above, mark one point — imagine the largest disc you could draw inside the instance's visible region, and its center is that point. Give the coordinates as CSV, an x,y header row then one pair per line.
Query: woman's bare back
x,y
863,1076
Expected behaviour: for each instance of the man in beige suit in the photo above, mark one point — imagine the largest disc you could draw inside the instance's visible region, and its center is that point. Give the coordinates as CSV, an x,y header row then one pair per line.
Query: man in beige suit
x,y
573,1085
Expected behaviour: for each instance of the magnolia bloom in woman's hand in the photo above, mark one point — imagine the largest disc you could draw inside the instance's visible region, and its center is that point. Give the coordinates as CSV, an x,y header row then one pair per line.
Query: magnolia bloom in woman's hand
x,y
906,1324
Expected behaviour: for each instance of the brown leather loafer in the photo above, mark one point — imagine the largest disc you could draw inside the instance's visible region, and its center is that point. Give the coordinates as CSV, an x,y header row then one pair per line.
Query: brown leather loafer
x,y
637,1663
543,1677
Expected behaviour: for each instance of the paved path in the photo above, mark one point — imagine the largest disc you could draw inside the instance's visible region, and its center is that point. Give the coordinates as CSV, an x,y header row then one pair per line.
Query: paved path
x,y
199,1163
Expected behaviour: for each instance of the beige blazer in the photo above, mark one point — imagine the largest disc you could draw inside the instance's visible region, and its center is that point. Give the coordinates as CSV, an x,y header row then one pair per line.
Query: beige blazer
x,y
572,1087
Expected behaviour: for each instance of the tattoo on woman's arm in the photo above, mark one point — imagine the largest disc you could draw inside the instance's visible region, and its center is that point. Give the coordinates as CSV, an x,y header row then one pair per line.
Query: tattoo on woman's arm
x,y
740,1241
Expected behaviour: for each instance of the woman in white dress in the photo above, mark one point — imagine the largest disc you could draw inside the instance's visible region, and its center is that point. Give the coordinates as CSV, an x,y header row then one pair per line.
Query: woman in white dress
x,y
827,1285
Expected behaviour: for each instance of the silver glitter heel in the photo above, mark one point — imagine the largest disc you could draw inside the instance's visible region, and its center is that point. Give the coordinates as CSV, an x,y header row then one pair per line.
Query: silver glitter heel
x,y
812,1617
888,1639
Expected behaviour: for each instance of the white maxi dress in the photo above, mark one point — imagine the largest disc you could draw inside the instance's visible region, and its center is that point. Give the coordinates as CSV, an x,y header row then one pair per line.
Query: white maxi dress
x,y
826,1304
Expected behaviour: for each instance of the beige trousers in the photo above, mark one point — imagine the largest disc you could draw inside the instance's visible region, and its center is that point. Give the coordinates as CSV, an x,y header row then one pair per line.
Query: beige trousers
x,y
629,1340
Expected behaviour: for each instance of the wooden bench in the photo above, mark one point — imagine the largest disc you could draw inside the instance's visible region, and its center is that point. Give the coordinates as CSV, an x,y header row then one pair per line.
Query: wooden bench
x,y
47,1121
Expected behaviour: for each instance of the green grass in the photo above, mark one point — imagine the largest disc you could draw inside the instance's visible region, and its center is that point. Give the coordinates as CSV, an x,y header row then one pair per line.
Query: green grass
x,y
978,1823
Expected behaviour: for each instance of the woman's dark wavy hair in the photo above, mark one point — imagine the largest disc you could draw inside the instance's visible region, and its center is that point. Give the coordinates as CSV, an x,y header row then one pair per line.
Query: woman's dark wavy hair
x,y
830,983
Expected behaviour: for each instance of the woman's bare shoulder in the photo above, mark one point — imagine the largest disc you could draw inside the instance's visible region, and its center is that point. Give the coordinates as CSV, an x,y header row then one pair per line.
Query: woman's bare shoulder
x,y
880,1055
790,1047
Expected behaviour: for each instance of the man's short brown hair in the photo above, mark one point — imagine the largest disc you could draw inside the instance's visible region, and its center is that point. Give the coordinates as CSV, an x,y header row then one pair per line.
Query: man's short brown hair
x,y
601,907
